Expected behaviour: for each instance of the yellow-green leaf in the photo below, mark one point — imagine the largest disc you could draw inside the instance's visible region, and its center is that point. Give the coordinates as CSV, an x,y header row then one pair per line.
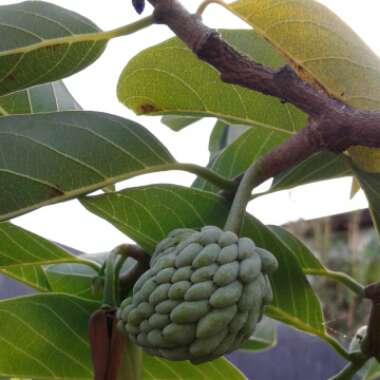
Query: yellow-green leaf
x,y
169,79
323,50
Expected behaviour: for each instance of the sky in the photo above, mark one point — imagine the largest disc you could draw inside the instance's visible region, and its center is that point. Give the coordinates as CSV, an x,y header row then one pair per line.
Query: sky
x,y
95,89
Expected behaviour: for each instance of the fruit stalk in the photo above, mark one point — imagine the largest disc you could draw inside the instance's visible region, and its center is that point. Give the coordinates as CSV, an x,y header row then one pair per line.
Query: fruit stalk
x,y
251,178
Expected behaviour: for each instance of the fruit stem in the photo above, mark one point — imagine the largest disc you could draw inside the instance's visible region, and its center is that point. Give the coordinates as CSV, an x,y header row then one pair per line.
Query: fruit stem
x,y
252,178
110,284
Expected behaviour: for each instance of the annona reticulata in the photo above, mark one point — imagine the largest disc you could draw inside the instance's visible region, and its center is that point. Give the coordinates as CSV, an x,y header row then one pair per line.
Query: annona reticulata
x,y
202,296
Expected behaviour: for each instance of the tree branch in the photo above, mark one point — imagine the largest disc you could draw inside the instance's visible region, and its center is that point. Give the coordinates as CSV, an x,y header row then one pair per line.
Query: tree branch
x,y
332,125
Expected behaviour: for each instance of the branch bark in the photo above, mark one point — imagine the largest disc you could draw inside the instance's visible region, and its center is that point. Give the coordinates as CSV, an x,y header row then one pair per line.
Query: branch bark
x,y
332,125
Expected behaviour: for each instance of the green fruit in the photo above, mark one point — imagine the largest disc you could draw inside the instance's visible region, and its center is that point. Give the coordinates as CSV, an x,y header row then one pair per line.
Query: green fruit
x,y
202,296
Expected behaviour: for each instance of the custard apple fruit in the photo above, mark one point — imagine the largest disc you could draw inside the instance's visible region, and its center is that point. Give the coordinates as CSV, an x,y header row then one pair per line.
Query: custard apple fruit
x,y
202,296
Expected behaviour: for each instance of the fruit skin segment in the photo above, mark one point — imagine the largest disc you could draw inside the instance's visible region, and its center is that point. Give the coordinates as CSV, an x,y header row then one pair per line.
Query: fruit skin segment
x,y
202,296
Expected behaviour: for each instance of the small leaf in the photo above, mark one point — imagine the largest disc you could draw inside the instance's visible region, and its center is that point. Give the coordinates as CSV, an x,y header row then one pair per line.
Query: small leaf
x,y
370,183
237,157
77,279
372,370
45,337
42,42
318,167
177,122
50,97
68,154
139,5
71,279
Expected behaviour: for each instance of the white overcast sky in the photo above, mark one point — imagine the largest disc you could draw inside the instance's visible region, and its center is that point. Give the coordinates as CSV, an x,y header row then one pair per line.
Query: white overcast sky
x,y
95,89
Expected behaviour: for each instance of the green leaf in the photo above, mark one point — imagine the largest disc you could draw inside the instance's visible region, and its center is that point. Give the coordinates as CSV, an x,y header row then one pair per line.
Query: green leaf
x,y
222,135
238,156
370,183
148,214
323,50
219,138
19,248
264,338
176,123
295,302
70,154
310,264
49,97
170,79
372,370
318,167
304,256
252,144
23,254
77,279
32,275
41,42
71,279
45,337
160,369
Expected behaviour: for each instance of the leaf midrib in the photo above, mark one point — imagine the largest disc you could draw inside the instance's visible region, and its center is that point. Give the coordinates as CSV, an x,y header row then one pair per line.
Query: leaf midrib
x,y
75,38
67,195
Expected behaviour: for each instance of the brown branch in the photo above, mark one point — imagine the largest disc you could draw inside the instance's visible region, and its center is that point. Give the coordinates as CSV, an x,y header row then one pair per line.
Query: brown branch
x,y
332,126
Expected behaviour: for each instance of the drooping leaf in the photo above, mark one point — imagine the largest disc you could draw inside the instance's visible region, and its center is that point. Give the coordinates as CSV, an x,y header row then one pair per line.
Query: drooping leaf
x,y
241,151
370,183
77,279
21,248
160,369
323,50
318,167
238,156
176,122
67,154
41,42
219,139
71,279
23,255
372,370
148,214
49,97
170,79
310,264
222,135
45,337
304,256
32,275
